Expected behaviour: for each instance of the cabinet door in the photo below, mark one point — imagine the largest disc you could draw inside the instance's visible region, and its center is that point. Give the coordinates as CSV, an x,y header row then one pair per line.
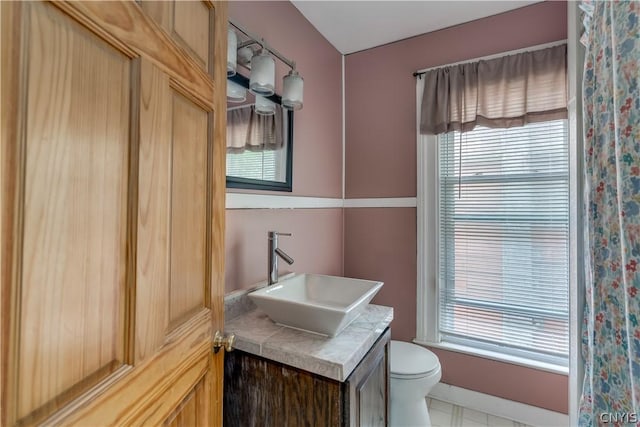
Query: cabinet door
x,y
367,388
112,174
264,393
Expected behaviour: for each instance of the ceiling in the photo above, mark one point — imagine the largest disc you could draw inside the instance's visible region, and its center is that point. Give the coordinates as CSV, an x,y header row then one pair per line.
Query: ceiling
x,y
351,26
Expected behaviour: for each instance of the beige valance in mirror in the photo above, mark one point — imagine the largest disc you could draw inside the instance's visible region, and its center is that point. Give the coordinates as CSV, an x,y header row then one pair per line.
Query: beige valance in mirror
x,y
247,130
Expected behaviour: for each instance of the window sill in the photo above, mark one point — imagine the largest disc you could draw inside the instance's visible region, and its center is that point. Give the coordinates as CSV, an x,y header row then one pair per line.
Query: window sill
x,y
499,357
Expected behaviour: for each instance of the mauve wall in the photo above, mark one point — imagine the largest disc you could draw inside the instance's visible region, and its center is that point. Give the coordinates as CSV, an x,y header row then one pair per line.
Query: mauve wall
x,y
380,122
316,244
317,130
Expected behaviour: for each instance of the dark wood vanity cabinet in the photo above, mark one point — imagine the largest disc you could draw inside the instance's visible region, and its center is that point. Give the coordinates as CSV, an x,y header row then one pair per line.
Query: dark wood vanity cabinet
x,y
261,392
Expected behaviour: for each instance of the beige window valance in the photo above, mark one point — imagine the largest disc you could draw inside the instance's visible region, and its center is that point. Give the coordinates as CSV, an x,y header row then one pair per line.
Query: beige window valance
x,y
499,93
247,130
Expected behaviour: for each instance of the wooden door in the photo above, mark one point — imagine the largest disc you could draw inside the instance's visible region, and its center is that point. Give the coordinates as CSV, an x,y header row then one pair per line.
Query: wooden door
x,y
112,225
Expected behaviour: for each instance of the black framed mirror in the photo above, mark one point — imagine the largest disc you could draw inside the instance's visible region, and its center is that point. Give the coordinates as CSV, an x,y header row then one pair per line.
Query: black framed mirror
x,y
259,146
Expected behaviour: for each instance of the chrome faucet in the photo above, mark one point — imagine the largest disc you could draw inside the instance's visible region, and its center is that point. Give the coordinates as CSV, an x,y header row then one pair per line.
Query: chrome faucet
x,y
274,253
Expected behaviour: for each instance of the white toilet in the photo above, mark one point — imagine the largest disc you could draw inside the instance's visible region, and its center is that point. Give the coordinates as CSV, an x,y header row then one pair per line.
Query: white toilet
x,y
414,372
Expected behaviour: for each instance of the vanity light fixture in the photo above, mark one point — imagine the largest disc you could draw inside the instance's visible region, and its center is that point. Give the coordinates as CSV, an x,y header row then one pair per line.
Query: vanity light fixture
x,y
232,52
244,56
236,92
262,67
264,106
263,74
293,85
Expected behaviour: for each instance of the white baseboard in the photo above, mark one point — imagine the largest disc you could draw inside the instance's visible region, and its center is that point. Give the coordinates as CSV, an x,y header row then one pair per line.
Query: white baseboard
x,y
527,414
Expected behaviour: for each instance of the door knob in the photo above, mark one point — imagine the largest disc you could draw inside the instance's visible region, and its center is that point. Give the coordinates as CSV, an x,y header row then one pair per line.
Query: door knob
x,y
220,341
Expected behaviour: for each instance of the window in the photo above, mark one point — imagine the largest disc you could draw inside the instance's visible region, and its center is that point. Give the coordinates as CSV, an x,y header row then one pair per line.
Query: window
x,y
262,165
503,240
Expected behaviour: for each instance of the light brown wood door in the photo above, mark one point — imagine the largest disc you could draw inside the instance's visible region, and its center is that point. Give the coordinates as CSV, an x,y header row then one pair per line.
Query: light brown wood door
x,y
112,225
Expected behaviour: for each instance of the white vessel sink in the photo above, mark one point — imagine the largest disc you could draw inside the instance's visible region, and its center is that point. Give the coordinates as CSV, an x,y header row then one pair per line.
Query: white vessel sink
x,y
316,303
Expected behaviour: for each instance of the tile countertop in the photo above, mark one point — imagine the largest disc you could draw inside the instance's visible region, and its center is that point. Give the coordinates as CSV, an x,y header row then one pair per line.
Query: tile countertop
x,y
333,358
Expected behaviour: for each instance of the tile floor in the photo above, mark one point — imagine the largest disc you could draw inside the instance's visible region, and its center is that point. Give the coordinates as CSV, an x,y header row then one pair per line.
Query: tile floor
x,y
448,415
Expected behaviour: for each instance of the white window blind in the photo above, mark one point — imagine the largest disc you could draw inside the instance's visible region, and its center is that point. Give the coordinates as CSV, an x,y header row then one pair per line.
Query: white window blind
x,y
504,240
262,165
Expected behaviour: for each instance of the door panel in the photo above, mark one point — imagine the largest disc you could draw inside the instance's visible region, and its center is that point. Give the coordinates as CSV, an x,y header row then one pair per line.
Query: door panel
x,y
154,183
149,40
75,202
188,23
160,11
191,27
150,392
193,407
188,208
112,243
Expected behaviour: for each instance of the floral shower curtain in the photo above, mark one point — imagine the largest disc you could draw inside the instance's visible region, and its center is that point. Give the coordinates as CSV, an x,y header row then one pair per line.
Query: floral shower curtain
x,y
611,95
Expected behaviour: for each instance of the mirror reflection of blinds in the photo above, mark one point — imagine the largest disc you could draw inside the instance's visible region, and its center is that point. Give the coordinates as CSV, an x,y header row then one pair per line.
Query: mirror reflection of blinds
x,y
262,165
504,240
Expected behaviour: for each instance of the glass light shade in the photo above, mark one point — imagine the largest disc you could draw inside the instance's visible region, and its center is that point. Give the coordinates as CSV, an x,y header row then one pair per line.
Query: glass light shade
x,y
293,88
236,92
263,74
264,106
232,52
244,56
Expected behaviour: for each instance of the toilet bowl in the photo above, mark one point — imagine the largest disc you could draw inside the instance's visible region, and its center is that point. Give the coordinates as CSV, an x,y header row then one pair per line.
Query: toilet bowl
x,y
414,372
